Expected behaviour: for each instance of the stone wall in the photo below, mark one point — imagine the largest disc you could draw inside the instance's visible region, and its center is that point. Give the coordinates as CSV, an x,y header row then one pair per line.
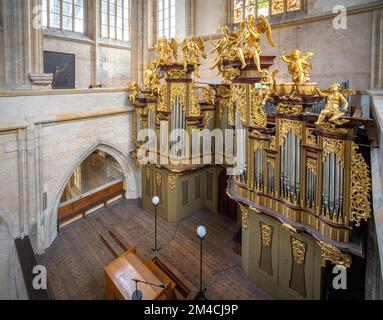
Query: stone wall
x,y
44,136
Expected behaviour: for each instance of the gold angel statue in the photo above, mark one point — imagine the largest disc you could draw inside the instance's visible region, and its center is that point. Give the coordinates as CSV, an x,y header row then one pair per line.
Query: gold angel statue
x,y
192,49
249,42
335,98
299,68
269,79
167,51
134,88
225,48
151,78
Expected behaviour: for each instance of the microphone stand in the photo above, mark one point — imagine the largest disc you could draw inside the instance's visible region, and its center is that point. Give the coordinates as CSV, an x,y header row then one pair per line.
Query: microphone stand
x,y
137,295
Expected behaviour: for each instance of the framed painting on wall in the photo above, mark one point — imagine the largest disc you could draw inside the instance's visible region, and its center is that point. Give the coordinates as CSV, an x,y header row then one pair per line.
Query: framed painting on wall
x,y
63,68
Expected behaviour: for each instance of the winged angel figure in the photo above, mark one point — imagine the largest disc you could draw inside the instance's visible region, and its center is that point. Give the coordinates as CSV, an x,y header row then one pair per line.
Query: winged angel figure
x,y
192,49
243,45
166,51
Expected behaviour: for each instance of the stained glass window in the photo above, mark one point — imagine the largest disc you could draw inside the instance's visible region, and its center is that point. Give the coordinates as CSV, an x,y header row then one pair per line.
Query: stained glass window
x,y
243,8
115,19
64,14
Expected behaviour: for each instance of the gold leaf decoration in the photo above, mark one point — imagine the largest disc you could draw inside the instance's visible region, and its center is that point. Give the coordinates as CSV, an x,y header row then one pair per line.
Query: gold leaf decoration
x,y
158,179
178,90
195,109
311,138
162,99
333,146
148,173
172,179
360,188
258,113
287,126
238,101
267,235
176,73
299,250
333,254
245,216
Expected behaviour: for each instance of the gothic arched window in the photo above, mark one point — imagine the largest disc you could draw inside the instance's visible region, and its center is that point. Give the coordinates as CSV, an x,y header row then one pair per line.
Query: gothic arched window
x,y
243,8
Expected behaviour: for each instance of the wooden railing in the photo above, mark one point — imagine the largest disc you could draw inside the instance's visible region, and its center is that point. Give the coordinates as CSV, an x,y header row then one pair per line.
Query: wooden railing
x,y
79,207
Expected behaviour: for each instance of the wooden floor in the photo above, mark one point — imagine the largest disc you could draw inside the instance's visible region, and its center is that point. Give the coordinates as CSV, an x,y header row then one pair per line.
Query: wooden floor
x,y
76,260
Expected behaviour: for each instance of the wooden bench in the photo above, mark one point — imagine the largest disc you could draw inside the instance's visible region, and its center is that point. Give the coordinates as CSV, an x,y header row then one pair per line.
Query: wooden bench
x,y
80,207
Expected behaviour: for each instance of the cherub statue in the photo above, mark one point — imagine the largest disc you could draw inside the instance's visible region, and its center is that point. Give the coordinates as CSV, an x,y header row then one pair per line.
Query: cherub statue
x,y
226,49
250,39
335,97
134,88
299,68
192,49
166,51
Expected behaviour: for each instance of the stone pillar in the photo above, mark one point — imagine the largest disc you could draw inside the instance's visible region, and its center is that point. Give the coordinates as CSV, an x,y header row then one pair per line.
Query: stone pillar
x,y
93,31
22,50
377,50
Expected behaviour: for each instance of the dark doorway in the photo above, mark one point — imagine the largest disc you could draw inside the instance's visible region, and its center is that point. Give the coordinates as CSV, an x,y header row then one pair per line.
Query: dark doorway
x,y
226,206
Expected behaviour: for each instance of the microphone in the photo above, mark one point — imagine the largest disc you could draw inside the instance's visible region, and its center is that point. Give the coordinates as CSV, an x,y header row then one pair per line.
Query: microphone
x,y
137,295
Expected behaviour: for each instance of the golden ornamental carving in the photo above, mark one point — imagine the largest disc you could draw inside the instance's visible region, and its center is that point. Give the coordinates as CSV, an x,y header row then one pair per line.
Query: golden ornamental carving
x,y
299,250
209,95
333,254
162,99
289,108
195,109
245,216
333,146
148,173
134,89
298,66
176,73
287,126
224,92
172,180
238,100
312,165
158,179
229,74
267,235
311,138
258,113
178,90
360,188
289,228
259,145
272,143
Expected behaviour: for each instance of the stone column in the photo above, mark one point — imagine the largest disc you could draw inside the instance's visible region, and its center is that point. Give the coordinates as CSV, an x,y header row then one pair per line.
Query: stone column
x,y
93,31
23,53
377,50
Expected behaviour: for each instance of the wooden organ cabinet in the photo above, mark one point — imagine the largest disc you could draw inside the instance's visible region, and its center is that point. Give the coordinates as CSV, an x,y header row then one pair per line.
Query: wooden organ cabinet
x,y
303,189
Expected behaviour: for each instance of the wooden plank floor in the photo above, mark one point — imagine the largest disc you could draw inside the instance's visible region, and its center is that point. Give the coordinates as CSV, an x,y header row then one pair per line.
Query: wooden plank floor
x,y
76,260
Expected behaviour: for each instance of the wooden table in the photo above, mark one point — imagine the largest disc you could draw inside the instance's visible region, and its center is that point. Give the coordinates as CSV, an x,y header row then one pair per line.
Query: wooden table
x,y
119,275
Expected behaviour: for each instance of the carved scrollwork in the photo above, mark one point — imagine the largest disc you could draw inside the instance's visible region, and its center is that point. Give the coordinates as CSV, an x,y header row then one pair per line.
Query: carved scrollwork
x,y
299,250
311,138
162,99
178,90
333,254
333,146
172,180
158,179
258,113
287,126
245,216
238,100
267,235
176,73
360,188
195,109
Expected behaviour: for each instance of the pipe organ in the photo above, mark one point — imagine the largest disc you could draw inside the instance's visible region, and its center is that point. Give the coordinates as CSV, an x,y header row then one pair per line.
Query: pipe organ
x,y
303,185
